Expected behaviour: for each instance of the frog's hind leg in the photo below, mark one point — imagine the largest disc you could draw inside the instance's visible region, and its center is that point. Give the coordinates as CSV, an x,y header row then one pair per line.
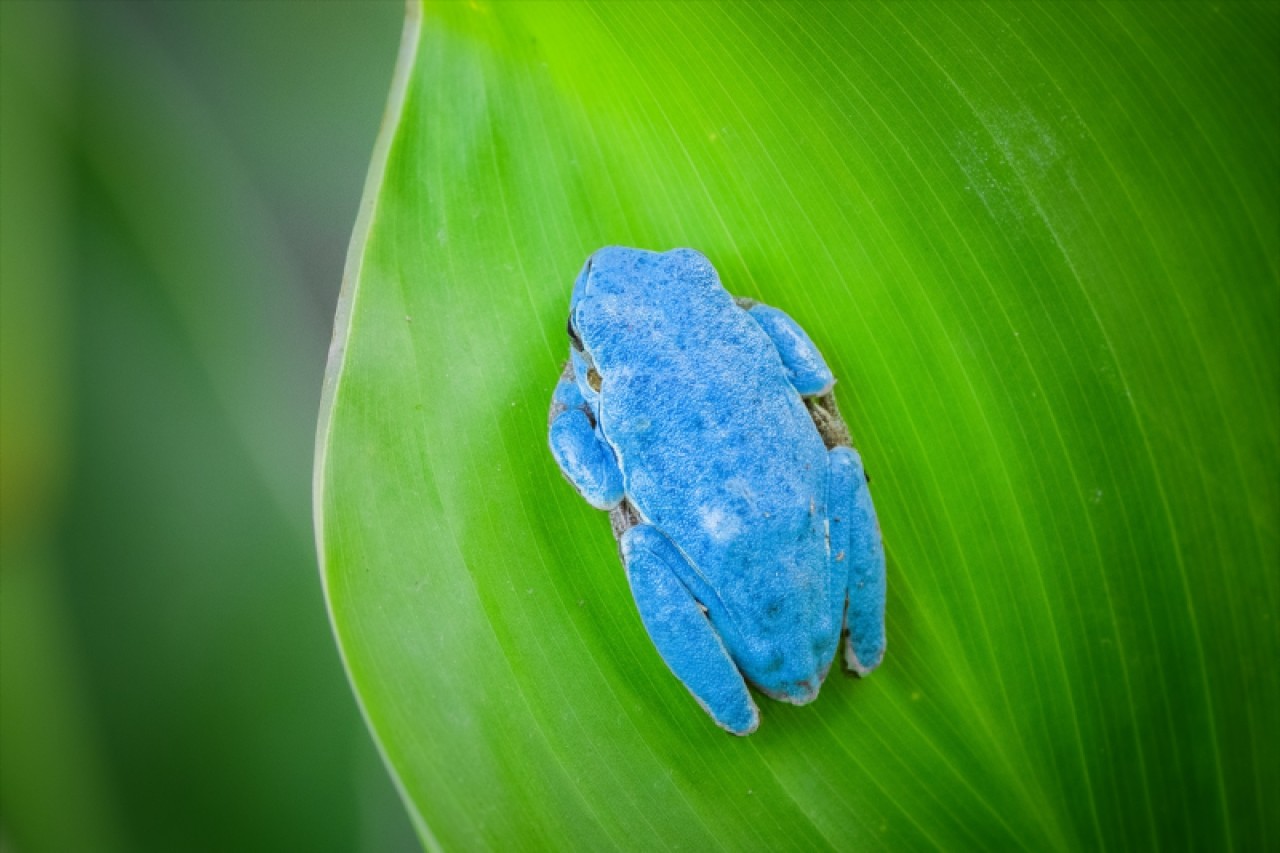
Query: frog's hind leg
x,y
805,366
856,559
586,460
681,631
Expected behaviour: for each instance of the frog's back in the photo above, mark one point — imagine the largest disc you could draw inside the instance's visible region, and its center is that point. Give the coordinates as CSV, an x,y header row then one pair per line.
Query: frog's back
x,y
716,447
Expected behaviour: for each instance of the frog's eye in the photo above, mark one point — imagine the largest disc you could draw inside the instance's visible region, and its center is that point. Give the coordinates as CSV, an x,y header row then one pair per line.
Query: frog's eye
x,y
573,335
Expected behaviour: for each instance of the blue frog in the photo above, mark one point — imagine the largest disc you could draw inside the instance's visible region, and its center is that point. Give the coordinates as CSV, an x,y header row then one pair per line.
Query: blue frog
x,y
706,426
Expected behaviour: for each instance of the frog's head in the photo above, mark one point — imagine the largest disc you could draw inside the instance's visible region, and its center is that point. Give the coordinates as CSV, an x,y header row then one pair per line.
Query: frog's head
x,y
621,292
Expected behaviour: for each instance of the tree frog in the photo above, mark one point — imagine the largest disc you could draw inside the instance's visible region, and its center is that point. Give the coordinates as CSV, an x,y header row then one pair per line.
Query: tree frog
x,y
706,426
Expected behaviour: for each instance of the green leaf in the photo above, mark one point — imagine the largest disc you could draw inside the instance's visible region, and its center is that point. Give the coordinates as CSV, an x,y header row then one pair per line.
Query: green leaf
x,y
1038,244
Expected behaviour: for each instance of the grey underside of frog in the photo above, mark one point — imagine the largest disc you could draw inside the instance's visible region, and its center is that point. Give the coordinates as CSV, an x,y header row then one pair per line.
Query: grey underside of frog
x,y
734,484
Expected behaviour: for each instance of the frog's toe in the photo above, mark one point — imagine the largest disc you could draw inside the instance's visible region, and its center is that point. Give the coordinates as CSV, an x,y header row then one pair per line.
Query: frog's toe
x,y
863,657
740,720
799,692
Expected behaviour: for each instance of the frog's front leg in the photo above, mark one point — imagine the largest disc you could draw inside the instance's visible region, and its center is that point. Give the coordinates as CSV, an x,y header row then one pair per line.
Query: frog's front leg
x,y
679,628
806,369
587,461
856,559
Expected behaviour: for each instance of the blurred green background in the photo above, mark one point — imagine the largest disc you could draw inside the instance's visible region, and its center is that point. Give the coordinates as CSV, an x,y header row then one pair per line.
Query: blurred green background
x,y
179,184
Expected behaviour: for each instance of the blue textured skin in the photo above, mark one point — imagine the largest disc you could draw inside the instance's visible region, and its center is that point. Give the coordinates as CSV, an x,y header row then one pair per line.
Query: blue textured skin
x,y
752,535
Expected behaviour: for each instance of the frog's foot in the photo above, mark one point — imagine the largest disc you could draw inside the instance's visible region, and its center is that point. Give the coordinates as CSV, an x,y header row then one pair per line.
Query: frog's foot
x,y
856,559
586,460
679,628
805,367
800,692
